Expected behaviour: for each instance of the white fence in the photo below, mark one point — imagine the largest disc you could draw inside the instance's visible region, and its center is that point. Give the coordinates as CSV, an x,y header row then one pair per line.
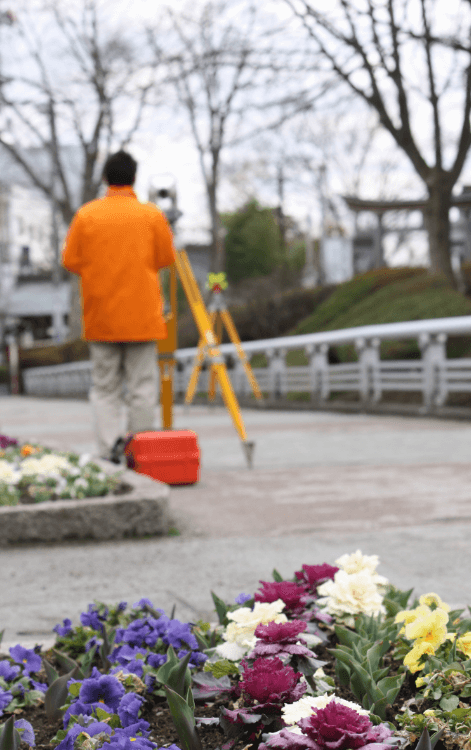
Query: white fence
x,y
433,375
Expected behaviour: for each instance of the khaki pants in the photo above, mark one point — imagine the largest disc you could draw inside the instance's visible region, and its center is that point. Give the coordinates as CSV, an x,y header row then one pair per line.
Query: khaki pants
x,y
117,366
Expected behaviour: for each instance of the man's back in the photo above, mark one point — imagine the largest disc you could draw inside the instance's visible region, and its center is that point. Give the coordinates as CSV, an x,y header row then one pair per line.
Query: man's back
x,y
117,245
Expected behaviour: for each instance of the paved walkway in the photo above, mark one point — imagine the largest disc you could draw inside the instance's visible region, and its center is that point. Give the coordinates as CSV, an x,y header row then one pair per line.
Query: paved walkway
x,y
322,484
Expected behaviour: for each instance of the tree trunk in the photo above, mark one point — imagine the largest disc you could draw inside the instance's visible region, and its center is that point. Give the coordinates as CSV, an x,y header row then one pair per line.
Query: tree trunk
x,y
218,261
437,222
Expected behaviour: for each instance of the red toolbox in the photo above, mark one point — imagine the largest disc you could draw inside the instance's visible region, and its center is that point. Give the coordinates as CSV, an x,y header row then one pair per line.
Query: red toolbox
x,y
171,456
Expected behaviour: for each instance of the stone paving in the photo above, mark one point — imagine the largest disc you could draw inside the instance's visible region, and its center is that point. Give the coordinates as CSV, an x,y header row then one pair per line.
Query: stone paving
x,y
323,483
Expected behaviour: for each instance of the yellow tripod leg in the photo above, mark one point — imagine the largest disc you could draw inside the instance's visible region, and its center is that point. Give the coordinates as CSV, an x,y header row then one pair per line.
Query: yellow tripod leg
x,y
215,318
233,408
166,393
234,336
194,377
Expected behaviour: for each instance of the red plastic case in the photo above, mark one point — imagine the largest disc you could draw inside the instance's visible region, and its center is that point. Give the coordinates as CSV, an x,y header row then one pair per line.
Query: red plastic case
x,y
171,456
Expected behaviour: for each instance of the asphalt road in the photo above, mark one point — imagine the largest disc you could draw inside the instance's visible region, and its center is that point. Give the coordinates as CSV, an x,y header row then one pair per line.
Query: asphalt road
x,y
322,484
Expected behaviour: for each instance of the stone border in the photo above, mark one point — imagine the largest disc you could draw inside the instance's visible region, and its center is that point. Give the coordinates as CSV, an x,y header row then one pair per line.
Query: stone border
x,y
140,512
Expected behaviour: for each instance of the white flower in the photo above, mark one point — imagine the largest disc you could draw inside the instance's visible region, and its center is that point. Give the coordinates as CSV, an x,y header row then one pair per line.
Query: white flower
x,y
357,562
351,594
8,472
80,482
46,465
302,709
240,633
84,459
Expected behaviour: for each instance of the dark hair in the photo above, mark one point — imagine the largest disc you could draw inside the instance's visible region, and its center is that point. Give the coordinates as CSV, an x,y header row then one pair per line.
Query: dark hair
x,y
120,169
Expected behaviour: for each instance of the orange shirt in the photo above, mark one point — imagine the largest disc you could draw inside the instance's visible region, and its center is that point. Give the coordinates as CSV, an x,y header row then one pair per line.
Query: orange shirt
x,y
117,245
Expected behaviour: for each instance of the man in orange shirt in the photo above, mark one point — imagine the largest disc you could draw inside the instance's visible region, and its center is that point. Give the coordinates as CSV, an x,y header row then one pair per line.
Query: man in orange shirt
x,y
117,245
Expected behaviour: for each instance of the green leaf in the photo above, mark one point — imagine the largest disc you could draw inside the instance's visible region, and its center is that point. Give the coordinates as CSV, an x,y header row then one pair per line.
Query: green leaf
x,y
276,576
221,609
102,714
163,672
10,738
448,703
67,662
56,696
51,673
436,737
74,689
179,678
184,720
346,637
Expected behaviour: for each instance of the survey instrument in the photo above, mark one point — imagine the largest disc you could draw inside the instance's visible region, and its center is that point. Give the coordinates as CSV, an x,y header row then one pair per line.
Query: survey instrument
x,y
208,349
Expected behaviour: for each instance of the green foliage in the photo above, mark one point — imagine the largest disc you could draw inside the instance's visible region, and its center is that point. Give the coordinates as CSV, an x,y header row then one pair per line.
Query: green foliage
x,y
221,668
10,738
359,662
349,294
56,696
253,242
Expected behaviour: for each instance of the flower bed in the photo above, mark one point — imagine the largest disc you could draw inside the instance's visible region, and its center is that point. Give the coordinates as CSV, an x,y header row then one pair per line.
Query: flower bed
x,y
335,658
50,496
36,474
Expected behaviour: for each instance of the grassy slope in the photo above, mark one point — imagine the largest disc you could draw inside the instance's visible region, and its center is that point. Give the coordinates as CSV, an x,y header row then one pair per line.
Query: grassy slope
x,y
386,296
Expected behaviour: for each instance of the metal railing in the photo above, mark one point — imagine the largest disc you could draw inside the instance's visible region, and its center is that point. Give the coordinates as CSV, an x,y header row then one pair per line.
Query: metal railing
x,y
433,375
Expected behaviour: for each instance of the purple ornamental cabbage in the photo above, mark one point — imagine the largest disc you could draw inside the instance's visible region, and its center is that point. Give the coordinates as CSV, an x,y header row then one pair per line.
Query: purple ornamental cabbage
x,y
280,638
6,442
293,595
335,727
269,681
28,657
313,575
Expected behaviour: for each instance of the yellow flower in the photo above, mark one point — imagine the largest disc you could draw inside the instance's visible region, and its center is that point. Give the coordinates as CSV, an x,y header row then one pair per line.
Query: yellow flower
x,y
430,628
420,682
2,453
433,599
464,643
409,615
412,659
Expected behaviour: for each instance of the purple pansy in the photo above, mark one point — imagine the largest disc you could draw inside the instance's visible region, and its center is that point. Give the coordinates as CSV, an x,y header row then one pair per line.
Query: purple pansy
x,y
156,660
5,699
26,656
93,619
64,629
102,689
78,708
242,598
129,708
41,686
26,731
96,727
9,671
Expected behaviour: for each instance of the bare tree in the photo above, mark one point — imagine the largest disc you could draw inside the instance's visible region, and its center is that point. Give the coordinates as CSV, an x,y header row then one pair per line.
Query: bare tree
x,y
410,61
75,90
223,66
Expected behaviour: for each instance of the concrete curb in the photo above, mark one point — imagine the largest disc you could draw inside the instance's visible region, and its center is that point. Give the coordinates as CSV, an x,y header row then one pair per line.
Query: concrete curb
x,y
143,511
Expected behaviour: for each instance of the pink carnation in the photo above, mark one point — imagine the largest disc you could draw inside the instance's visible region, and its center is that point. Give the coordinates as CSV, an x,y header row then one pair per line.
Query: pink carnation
x,y
269,681
313,575
293,595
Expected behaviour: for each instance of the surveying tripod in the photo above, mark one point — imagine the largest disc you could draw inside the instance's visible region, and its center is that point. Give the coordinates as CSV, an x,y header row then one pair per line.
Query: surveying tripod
x,y
219,315
167,347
